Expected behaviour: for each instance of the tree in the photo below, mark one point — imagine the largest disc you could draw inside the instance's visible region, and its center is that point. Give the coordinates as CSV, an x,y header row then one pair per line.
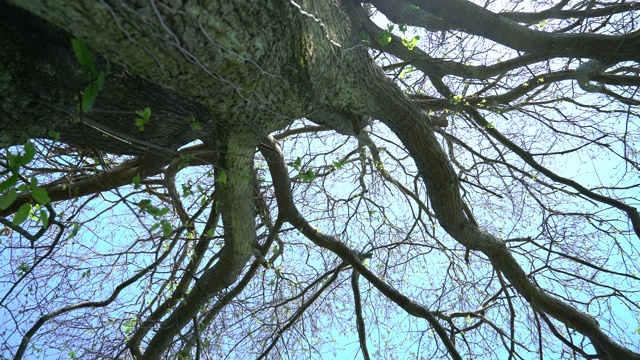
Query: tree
x,y
188,179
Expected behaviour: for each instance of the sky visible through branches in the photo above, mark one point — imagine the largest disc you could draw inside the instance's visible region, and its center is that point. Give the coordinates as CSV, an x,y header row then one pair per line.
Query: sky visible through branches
x,y
99,270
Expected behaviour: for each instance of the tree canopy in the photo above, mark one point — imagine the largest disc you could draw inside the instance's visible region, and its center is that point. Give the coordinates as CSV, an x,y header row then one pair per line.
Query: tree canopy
x,y
306,179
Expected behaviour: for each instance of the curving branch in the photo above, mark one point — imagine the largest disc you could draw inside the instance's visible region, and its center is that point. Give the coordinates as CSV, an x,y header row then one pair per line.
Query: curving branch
x,y
476,20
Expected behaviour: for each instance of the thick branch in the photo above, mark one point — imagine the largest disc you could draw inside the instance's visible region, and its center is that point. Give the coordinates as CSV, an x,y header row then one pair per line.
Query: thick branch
x,y
479,21
238,217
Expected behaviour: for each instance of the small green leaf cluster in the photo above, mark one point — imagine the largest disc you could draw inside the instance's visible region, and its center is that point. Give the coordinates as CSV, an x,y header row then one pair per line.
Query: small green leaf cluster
x,y
10,191
194,123
130,325
187,189
143,118
410,43
146,207
306,176
384,36
136,181
456,99
339,164
296,164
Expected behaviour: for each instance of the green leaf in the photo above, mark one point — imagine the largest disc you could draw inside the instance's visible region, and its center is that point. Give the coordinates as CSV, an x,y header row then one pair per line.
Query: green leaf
x,y
74,232
139,122
166,228
297,163
41,196
14,161
195,124
84,57
33,183
32,214
100,80
222,177
145,115
154,227
22,214
383,37
54,135
29,153
162,211
45,218
136,181
89,96
338,164
307,176
8,199
410,44
10,182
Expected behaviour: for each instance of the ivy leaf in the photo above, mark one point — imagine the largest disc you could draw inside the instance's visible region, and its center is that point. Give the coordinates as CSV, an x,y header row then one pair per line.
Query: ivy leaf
x,y
41,196
222,177
365,38
84,56
89,96
7,199
22,214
